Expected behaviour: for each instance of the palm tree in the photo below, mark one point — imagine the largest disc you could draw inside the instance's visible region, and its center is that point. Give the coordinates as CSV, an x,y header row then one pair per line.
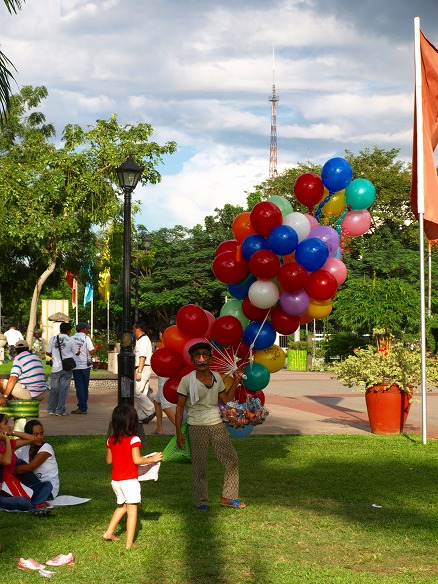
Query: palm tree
x,y
5,67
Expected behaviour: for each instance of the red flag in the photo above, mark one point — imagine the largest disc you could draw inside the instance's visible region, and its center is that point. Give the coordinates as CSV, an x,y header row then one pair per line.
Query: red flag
x,y
429,77
71,280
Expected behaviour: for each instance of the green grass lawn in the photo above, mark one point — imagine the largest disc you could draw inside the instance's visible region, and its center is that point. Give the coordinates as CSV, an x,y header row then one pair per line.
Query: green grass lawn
x,y
309,517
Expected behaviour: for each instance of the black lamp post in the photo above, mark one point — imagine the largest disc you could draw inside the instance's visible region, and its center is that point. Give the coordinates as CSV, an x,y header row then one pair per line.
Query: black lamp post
x,y
147,242
129,174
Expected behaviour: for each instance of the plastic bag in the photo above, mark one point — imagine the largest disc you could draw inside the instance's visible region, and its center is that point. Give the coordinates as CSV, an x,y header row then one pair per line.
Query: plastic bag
x,y
173,453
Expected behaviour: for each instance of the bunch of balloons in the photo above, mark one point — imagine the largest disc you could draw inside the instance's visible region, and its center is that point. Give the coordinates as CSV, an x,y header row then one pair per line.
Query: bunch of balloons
x,y
282,269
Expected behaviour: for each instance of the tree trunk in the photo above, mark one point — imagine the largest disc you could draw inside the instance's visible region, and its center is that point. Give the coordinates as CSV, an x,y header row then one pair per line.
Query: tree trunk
x,y
35,297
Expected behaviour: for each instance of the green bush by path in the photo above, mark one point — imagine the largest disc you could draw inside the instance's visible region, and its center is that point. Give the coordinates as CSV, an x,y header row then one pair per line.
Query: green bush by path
x,y
309,517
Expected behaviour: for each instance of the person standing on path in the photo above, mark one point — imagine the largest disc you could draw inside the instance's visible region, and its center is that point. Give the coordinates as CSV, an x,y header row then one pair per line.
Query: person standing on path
x,y
64,345
84,361
199,392
142,391
160,402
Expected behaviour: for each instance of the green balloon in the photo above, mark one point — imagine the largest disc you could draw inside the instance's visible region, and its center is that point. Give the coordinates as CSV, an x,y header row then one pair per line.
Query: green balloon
x,y
257,377
282,203
360,194
234,308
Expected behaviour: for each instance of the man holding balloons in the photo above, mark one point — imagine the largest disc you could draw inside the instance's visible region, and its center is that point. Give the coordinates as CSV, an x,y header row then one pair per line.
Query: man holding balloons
x,y
199,392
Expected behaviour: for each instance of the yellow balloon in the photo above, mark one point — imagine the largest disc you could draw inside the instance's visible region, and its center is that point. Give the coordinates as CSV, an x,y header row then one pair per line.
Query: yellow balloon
x,y
228,381
319,308
273,358
336,205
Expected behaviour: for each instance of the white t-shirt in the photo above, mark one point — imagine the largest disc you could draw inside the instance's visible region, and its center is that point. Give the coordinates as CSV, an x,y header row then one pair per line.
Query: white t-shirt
x,y
48,470
143,348
13,336
85,344
68,349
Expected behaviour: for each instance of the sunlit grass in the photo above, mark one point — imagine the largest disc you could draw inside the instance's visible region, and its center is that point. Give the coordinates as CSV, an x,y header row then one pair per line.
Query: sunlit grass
x,y
309,517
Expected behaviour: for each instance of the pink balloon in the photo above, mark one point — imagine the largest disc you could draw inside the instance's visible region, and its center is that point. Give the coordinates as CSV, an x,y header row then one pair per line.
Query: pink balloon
x,y
211,320
313,221
356,223
337,268
185,352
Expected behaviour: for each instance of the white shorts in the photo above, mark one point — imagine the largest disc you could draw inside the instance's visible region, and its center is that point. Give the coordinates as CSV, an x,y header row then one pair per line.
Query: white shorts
x,y
127,491
159,396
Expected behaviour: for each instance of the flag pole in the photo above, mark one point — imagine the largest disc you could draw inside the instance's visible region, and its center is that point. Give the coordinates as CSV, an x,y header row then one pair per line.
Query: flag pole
x,y
420,203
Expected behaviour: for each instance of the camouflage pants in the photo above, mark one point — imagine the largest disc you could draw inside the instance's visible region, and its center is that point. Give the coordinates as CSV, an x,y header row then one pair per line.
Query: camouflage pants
x,y
200,437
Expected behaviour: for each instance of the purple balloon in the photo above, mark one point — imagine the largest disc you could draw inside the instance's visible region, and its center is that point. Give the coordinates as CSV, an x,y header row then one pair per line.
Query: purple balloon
x,y
328,235
295,303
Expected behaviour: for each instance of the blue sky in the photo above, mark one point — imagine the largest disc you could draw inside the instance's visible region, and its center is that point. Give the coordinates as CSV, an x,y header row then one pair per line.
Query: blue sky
x,y
201,74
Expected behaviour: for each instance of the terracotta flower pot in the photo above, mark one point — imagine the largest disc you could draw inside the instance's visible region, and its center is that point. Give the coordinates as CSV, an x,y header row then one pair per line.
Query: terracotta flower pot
x,y
388,408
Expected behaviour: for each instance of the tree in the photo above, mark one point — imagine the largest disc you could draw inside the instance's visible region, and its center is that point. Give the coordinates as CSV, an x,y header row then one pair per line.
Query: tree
x,y
6,75
67,191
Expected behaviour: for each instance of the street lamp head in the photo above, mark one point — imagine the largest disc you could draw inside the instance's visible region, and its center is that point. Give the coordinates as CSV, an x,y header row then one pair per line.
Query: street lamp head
x,y
129,174
147,242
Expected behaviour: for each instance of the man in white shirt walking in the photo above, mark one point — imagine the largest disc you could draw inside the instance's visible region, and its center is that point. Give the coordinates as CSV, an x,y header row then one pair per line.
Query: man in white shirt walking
x,y
60,347
13,336
142,392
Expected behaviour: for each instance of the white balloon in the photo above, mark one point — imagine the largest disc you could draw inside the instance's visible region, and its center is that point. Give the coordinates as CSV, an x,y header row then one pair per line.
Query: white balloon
x,y
300,223
263,293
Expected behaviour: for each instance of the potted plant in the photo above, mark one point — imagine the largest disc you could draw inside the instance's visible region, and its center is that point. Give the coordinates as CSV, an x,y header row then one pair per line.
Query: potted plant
x,y
297,355
387,376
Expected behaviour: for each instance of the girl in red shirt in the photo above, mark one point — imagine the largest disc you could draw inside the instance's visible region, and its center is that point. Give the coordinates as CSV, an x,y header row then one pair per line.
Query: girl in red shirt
x,y
123,452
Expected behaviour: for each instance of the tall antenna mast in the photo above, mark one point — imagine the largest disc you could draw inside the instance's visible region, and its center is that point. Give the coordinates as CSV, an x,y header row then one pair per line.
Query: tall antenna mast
x,y
273,149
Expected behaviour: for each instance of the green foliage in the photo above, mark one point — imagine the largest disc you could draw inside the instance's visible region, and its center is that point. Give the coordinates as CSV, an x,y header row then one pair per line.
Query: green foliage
x,y
396,366
342,344
299,346
391,304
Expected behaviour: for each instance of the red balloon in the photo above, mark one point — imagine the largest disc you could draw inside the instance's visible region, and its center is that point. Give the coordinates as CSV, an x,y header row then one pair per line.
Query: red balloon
x,y
229,269
170,389
283,323
253,312
321,285
192,321
292,277
173,337
305,319
187,369
166,362
227,330
309,189
242,227
228,245
242,393
210,318
242,351
264,264
265,216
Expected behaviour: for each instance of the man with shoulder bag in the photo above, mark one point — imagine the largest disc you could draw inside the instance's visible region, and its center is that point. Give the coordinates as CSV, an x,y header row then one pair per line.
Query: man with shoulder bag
x,y
62,350
84,361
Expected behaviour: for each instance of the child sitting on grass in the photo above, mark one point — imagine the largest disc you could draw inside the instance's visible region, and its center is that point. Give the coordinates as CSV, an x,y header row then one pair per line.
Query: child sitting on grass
x,y
123,452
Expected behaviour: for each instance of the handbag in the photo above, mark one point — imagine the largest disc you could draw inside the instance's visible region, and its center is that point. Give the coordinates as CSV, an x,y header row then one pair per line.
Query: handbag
x,y
173,453
68,363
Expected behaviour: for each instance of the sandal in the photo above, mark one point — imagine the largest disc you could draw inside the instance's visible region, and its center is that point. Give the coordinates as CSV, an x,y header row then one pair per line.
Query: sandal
x,y
234,503
202,507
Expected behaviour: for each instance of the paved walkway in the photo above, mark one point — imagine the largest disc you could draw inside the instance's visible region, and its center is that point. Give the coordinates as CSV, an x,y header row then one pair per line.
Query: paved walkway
x,y
298,402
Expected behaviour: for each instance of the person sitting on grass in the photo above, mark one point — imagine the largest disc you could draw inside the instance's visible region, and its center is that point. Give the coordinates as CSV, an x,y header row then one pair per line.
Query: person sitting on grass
x,y
123,452
36,462
8,459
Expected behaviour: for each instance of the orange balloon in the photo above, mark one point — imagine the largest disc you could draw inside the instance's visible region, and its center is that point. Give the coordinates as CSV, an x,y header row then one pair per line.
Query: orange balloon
x,y
173,337
242,226
319,308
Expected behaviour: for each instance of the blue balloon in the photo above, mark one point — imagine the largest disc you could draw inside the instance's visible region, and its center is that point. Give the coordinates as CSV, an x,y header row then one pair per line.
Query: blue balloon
x,y
312,253
253,243
265,334
283,240
240,290
336,174
242,432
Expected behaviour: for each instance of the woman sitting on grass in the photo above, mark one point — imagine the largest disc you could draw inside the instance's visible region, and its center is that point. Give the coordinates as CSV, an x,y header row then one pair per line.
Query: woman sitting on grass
x,y
8,459
37,461
123,452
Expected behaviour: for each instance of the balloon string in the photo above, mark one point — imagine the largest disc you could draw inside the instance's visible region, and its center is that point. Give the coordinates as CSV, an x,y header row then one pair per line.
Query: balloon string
x,y
251,358
322,203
